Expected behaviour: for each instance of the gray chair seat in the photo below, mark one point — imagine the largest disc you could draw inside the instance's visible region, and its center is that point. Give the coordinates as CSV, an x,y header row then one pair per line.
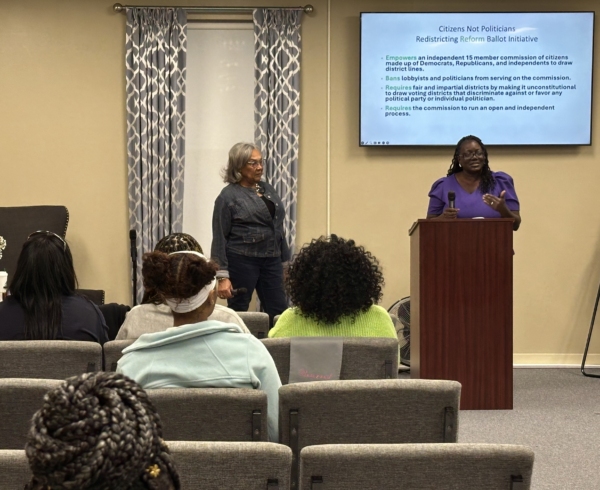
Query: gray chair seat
x,y
19,400
387,411
48,359
232,465
257,322
362,357
416,467
112,352
14,469
212,414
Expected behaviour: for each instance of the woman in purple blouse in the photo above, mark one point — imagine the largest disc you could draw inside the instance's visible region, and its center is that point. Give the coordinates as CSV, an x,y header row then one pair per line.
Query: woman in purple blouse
x,y
479,192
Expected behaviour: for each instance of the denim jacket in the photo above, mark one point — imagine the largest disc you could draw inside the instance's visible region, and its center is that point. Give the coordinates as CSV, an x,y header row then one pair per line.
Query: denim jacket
x,y
243,225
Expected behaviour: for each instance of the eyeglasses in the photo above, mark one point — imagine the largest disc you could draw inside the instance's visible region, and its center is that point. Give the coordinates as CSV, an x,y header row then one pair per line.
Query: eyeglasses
x,y
46,232
470,154
255,163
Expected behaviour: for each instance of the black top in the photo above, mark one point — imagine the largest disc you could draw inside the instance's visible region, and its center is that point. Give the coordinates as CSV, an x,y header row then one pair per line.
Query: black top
x,y
270,205
81,320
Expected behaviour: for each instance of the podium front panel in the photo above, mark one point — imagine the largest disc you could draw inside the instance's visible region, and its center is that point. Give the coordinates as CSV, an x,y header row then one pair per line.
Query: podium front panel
x,y
461,307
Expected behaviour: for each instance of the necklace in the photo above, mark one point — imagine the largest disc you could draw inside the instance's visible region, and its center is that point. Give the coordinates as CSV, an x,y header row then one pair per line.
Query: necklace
x,y
256,187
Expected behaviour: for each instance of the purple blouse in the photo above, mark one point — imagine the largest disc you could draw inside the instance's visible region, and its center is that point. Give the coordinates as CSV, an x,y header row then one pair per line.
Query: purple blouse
x,y
471,205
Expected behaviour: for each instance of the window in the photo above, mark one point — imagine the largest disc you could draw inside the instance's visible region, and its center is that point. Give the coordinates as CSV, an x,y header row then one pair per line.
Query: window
x,y
219,113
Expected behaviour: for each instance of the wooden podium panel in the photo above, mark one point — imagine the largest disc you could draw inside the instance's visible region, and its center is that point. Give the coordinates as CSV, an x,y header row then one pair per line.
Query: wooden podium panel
x,y
461,287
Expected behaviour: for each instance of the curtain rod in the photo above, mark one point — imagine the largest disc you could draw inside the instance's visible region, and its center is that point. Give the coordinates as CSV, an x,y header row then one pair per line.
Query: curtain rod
x,y
308,9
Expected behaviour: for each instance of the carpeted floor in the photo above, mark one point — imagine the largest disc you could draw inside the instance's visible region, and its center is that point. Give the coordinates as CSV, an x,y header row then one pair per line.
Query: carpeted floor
x,y
557,413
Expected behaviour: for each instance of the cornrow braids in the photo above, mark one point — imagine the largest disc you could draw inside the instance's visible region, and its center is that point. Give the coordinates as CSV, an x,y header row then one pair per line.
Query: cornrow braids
x,y
176,276
487,182
99,431
175,242
178,242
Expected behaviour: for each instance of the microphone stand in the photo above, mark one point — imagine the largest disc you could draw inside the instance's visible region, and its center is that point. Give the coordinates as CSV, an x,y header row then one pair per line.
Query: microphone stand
x,y
589,337
132,239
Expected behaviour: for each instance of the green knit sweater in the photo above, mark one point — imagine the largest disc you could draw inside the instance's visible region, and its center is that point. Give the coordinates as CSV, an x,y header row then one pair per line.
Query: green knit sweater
x,y
375,322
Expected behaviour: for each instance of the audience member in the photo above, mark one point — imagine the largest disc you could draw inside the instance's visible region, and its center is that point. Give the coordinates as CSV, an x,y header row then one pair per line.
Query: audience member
x,y
198,352
98,431
42,303
335,286
155,316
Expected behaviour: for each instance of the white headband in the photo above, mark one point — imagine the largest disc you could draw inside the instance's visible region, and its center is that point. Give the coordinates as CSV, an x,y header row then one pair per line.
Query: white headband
x,y
185,305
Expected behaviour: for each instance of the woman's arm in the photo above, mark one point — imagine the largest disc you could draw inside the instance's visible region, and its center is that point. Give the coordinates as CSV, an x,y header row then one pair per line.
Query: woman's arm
x,y
499,204
221,227
437,205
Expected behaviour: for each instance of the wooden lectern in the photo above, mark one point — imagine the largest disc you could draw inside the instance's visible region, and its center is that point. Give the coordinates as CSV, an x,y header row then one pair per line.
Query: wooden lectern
x,y
461,287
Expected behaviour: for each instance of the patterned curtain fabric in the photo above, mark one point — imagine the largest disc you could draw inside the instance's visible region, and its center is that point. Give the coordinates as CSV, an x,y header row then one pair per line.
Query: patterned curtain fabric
x,y
277,46
156,43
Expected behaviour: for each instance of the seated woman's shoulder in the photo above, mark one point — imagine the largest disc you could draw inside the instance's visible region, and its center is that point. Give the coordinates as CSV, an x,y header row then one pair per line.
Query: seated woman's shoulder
x,y
78,303
289,319
379,310
381,313
149,309
382,322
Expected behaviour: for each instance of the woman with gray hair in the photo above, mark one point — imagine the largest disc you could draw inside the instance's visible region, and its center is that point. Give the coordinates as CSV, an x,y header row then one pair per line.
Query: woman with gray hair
x,y
248,239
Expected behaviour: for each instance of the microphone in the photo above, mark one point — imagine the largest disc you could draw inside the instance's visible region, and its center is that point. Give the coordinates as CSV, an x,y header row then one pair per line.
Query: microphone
x,y
451,199
235,292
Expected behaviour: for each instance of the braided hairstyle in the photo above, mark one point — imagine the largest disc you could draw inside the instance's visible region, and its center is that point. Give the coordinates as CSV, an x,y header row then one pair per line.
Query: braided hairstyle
x,y
176,276
178,242
175,242
332,278
98,431
487,182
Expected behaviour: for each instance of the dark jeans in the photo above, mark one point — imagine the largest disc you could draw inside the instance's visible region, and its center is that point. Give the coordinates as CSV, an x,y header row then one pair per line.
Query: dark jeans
x,y
265,274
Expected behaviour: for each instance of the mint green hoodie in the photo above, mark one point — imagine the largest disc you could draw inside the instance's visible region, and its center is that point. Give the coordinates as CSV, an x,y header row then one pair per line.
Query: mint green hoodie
x,y
208,354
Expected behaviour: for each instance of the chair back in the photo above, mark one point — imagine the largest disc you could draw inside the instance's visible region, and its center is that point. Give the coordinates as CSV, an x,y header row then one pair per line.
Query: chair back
x,y
19,400
362,357
412,466
212,414
20,222
114,315
112,352
387,411
247,465
96,296
14,468
257,322
48,359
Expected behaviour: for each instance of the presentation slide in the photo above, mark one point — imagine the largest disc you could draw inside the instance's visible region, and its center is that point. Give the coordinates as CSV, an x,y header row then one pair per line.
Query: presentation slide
x,y
509,78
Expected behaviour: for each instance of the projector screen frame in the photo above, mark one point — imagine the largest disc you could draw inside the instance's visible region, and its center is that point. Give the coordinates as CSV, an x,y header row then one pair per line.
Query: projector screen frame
x,y
493,144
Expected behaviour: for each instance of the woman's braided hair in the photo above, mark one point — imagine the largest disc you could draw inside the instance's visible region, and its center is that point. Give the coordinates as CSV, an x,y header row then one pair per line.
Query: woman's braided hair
x,y
175,242
98,431
487,182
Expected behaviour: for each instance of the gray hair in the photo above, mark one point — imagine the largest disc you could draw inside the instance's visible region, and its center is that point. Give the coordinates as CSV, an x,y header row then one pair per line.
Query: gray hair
x,y
239,155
